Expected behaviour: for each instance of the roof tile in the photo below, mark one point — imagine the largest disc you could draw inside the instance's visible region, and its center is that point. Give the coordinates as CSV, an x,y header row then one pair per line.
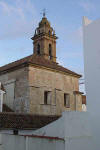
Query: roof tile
x,y
37,60
24,121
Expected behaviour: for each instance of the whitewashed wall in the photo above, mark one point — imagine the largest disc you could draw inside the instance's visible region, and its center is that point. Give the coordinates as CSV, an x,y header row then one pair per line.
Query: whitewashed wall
x,y
16,142
91,43
73,127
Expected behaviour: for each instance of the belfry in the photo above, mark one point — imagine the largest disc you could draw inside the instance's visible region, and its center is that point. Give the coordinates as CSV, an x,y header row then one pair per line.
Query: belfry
x,y
45,40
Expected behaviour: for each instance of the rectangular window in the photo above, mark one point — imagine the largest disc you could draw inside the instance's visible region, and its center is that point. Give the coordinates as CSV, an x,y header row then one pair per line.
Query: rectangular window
x,y
10,93
47,97
66,100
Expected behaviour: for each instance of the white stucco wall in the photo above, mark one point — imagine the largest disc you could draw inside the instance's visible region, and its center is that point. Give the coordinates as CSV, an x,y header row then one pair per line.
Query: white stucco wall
x,y
91,43
16,142
73,127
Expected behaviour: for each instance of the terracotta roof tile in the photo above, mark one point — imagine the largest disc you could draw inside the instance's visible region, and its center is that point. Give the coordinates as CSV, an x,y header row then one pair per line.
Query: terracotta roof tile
x,y
37,60
24,121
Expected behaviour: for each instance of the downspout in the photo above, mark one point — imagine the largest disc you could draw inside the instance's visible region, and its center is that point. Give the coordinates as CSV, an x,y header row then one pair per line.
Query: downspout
x,y
0,141
26,142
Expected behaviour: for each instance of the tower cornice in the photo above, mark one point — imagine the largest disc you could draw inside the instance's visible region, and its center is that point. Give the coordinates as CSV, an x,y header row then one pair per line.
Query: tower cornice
x,y
44,35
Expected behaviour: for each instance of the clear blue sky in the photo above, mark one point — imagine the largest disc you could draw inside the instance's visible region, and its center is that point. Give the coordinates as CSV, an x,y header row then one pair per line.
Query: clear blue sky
x,y
19,18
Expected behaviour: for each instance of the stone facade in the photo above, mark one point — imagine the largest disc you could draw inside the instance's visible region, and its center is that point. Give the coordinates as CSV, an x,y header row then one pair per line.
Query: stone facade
x,y
29,85
41,80
17,89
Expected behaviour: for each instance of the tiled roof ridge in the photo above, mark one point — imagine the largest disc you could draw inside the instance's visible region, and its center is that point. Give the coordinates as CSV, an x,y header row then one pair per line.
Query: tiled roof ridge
x,y
17,61
53,63
28,114
33,59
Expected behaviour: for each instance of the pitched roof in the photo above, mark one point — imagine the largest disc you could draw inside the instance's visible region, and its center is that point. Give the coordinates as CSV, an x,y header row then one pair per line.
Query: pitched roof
x,y
37,60
24,121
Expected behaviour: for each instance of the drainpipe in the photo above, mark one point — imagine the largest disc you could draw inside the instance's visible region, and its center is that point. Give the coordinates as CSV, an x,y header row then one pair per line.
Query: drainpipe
x,y
26,142
0,141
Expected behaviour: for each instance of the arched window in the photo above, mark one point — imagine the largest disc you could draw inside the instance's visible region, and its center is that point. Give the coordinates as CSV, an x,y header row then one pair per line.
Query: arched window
x,y
38,49
49,32
50,51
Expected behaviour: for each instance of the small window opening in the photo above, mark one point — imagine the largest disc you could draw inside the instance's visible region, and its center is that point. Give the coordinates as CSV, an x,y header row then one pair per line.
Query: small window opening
x,y
49,32
67,100
15,132
47,97
38,49
39,31
50,51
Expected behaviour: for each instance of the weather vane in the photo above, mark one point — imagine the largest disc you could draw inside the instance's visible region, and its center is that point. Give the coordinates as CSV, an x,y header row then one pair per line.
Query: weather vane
x,y
44,12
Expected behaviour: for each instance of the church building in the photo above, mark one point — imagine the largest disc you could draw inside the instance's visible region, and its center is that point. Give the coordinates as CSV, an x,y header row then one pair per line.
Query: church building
x,y
37,84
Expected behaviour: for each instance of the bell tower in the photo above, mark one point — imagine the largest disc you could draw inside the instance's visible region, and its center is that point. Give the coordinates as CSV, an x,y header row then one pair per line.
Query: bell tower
x,y
44,40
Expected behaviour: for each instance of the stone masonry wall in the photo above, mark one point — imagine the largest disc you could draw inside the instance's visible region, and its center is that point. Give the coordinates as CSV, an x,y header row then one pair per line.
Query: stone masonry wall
x,y
41,80
27,86
20,102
